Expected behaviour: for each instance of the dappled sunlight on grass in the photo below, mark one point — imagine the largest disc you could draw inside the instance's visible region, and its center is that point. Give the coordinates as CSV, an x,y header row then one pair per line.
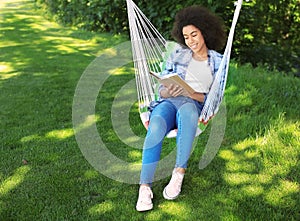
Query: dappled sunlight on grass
x,y
237,165
119,71
135,155
6,71
30,138
110,52
131,139
45,176
61,134
253,190
102,208
43,25
7,76
258,166
238,178
227,155
26,17
56,134
153,216
10,43
243,99
176,209
91,174
14,180
265,178
70,43
281,193
29,34
64,48
89,121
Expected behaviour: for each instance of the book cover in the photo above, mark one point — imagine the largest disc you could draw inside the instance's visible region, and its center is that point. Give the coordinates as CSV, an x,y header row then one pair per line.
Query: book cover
x,y
174,79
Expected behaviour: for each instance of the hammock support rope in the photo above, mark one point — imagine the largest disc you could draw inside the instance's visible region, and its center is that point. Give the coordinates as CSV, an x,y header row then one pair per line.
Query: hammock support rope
x,y
150,50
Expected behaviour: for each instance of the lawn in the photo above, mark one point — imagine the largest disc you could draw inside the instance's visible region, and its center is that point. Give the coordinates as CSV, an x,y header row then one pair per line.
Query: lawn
x,y
46,173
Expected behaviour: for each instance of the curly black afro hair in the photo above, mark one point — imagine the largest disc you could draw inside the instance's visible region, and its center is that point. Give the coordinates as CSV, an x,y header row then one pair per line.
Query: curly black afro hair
x,y
210,25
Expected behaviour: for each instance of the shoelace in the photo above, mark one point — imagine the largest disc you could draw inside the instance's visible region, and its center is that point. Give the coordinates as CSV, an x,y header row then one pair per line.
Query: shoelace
x,y
145,194
176,181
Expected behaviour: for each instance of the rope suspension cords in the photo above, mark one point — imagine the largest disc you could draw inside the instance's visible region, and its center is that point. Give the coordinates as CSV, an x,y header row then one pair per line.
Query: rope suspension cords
x,y
150,50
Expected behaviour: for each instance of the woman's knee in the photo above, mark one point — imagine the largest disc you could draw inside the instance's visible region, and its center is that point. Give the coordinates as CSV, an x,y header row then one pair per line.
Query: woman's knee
x,y
156,131
157,125
189,111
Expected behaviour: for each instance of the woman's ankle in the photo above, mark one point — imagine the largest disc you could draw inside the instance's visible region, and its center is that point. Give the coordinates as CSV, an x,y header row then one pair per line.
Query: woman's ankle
x,y
180,170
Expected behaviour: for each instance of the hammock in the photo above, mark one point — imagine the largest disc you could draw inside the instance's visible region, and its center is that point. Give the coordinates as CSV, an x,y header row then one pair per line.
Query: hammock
x,y
150,51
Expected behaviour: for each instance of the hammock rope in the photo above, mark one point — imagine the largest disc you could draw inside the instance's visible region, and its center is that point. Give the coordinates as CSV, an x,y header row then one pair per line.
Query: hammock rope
x,y
150,50
216,94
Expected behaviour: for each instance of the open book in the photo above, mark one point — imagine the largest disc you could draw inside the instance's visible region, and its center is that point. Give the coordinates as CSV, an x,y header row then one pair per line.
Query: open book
x,y
174,79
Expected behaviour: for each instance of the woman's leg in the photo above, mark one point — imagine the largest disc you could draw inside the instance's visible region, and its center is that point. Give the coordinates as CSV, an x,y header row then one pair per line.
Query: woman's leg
x,y
187,121
162,120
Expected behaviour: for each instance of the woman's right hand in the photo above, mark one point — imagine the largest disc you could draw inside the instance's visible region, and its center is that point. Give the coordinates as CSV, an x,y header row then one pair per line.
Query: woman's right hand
x,y
171,91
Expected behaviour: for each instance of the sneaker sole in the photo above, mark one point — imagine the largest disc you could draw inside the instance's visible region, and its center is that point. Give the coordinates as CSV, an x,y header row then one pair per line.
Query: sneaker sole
x,y
167,197
144,208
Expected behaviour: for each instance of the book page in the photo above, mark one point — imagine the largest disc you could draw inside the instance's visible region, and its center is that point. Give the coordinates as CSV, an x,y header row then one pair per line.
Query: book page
x,y
174,79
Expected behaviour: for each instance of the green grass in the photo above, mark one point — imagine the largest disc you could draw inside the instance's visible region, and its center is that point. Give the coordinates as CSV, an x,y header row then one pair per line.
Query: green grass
x,y
255,175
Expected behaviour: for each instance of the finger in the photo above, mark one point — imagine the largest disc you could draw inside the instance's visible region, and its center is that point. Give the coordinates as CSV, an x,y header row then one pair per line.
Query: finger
x,y
170,86
177,92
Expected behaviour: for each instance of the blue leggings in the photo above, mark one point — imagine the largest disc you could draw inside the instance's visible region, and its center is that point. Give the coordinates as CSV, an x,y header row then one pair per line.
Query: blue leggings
x,y
179,112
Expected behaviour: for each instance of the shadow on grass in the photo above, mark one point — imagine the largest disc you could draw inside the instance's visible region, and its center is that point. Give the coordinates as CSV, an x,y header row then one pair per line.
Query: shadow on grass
x,y
255,174
43,176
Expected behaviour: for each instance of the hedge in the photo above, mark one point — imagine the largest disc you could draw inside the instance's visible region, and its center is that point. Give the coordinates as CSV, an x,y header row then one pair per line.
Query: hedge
x,y
267,31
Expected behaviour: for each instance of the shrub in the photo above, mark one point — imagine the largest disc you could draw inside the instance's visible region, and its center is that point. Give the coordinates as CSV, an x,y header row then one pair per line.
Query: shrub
x,y
267,31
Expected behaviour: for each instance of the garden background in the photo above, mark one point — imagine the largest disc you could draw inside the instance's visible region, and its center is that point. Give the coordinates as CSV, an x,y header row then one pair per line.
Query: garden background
x,y
45,48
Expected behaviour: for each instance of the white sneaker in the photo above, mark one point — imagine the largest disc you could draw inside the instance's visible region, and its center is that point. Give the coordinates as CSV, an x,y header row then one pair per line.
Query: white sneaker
x,y
144,202
173,189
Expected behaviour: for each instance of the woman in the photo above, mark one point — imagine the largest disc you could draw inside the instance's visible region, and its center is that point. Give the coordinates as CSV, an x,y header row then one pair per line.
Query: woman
x,y
200,33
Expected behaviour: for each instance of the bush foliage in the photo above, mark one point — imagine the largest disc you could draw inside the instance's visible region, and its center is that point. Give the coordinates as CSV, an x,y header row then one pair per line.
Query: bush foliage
x,y
267,31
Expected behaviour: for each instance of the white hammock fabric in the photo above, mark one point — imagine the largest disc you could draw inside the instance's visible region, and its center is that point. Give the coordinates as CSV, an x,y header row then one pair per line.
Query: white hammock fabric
x,y
150,50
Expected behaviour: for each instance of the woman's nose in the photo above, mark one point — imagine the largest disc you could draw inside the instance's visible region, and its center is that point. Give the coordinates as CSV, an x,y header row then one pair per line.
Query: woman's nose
x,y
190,40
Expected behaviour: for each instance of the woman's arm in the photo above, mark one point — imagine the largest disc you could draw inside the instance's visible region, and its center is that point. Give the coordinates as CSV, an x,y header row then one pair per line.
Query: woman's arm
x,y
198,96
174,91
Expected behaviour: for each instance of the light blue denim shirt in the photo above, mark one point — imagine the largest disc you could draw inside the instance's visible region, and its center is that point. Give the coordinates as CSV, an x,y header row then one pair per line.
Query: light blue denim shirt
x,y
180,59
178,62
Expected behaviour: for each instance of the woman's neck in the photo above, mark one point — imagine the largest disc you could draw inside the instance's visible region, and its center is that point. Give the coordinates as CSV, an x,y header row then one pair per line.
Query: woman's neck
x,y
201,55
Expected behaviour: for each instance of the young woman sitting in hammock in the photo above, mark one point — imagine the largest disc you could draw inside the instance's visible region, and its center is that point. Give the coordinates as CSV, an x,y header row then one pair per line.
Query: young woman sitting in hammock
x,y
201,33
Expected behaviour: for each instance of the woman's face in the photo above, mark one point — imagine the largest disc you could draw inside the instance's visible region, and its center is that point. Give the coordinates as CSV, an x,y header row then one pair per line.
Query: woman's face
x,y
194,39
